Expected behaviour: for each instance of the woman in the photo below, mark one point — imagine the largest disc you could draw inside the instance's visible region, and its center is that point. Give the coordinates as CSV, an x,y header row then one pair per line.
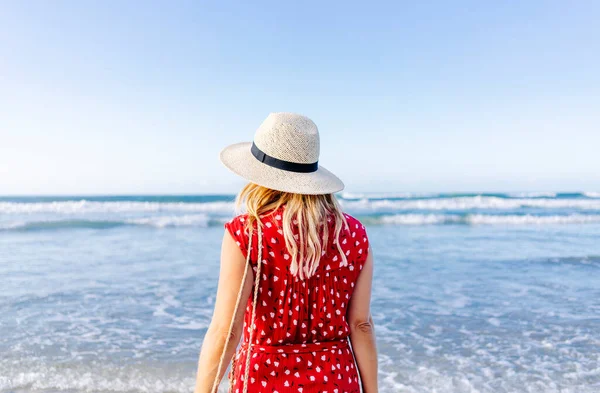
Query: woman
x,y
302,269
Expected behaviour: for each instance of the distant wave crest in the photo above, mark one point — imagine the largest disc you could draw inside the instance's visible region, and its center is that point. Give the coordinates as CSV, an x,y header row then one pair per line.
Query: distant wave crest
x,y
192,220
393,209
469,203
533,195
481,219
353,202
203,221
83,206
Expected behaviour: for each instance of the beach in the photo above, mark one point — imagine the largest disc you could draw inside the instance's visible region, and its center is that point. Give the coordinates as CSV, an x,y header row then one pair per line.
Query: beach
x,y
476,292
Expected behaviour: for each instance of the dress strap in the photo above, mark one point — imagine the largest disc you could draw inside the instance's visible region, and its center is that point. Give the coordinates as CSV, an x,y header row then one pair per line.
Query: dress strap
x,y
253,315
237,305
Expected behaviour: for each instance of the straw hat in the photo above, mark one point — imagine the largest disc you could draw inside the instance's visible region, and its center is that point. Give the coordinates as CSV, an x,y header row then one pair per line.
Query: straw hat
x,y
284,156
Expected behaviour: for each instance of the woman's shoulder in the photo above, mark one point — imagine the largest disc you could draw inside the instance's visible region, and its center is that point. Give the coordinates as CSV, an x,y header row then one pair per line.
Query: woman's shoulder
x,y
354,239
241,218
238,225
354,223
242,225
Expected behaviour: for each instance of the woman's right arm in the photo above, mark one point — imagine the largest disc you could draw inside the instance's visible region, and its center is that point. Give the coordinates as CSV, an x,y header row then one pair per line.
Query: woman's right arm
x,y
362,330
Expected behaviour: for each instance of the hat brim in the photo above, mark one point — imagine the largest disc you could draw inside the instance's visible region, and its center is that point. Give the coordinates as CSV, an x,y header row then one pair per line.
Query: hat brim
x,y
239,160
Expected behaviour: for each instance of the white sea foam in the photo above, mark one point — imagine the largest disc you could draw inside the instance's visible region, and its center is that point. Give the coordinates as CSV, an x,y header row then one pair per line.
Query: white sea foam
x,y
83,207
202,220
494,321
592,194
187,220
441,376
12,225
532,195
408,195
189,326
468,203
384,195
486,219
362,205
477,219
419,219
82,378
463,376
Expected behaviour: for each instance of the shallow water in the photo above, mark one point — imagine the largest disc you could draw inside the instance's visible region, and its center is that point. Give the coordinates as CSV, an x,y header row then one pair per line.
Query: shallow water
x,y
115,294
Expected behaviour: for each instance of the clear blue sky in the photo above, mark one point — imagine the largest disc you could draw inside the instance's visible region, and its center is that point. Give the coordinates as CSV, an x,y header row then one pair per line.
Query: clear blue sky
x,y
140,96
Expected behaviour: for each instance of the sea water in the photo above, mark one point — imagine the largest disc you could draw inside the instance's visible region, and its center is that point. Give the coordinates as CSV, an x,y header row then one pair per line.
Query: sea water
x,y
472,292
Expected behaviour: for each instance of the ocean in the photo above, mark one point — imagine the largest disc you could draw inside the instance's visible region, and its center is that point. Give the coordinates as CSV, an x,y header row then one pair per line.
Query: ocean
x,y
472,293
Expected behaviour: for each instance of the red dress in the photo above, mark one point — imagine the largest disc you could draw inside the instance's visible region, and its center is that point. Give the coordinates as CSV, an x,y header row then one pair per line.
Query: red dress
x,y
301,336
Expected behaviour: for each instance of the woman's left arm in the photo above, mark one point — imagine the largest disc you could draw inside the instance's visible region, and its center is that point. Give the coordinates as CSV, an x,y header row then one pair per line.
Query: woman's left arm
x,y
230,280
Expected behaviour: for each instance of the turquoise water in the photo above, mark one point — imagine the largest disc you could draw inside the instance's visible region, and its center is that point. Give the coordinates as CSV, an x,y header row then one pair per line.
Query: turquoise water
x,y
473,292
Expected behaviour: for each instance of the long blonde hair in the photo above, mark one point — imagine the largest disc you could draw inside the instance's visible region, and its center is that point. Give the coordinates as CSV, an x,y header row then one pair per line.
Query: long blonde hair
x,y
311,213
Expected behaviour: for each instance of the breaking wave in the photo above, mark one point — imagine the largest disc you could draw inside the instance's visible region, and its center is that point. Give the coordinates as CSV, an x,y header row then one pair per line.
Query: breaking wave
x,y
48,213
203,221
471,203
481,219
84,206
193,220
353,204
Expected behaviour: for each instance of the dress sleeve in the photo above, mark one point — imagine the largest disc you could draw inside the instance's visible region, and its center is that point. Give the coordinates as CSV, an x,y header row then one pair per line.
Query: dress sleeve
x,y
360,244
363,246
237,229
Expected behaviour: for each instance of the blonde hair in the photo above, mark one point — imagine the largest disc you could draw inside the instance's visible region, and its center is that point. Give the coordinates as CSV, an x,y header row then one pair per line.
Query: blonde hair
x,y
311,213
